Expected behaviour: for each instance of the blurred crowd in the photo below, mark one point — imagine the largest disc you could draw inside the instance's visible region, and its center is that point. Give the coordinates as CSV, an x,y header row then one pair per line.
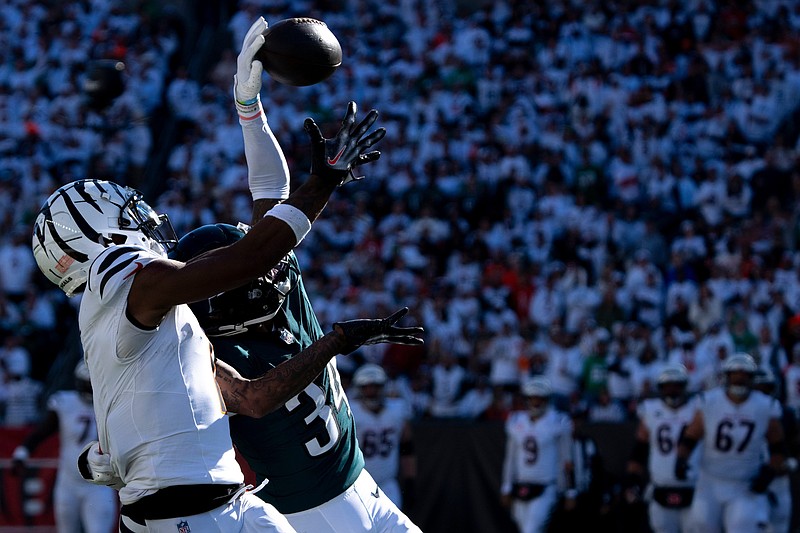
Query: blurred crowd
x,y
581,189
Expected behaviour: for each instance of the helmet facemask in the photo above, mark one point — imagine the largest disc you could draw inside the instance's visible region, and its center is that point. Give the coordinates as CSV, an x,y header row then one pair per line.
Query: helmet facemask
x,y
137,215
738,383
739,370
371,395
235,311
673,393
537,405
370,380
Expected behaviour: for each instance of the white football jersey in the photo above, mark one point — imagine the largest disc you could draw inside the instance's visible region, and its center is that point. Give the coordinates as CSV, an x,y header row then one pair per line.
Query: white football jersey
x,y
159,411
792,378
76,427
664,426
379,436
536,450
734,435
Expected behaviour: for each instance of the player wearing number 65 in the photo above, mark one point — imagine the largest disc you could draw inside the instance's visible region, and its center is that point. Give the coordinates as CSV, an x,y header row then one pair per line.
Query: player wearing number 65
x,y
384,432
736,423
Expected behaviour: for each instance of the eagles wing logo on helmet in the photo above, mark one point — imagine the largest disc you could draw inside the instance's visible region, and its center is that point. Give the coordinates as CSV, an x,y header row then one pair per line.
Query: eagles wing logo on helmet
x,y
81,219
233,312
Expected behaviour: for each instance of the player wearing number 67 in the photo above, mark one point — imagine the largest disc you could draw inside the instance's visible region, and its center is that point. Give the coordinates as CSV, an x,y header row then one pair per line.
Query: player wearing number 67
x,y
652,463
538,460
735,423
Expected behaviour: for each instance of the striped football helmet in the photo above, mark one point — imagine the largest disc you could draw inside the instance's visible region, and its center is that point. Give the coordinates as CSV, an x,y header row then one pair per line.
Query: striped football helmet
x,y
82,218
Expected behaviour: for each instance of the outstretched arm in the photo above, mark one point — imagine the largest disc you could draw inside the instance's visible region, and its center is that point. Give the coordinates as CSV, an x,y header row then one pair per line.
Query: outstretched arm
x,y
260,396
162,284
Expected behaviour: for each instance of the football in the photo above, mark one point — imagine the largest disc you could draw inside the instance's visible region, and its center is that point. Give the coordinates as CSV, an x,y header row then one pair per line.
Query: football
x,y
300,51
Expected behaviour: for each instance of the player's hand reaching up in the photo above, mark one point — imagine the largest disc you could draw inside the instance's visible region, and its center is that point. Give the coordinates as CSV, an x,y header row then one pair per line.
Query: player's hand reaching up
x,y
335,158
247,82
374,331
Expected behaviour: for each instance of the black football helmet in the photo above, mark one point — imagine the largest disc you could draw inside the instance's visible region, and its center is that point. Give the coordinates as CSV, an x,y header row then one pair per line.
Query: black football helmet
x,y
234,311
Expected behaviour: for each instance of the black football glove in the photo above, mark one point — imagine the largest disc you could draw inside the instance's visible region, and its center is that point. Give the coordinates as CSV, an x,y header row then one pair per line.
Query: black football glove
x,y
377,330
760,483
681,469
334,159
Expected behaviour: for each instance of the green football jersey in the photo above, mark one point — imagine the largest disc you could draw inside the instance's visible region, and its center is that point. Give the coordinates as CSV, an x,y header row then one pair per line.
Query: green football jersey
x,y
307,449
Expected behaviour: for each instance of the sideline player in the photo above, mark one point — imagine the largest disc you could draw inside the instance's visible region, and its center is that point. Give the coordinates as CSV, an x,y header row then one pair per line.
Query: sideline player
x,y
538,457
78,506
735,423
384,431
661,422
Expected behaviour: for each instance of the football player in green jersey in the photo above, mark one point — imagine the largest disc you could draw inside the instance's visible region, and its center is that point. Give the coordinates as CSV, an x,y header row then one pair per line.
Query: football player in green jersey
x,y
307,448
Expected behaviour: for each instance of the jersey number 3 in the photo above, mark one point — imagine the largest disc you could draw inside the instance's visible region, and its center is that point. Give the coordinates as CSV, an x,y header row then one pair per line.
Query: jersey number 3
x,y
324,416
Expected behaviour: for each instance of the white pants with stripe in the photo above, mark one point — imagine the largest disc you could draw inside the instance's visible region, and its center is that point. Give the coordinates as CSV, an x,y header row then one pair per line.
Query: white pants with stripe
x,y
362,507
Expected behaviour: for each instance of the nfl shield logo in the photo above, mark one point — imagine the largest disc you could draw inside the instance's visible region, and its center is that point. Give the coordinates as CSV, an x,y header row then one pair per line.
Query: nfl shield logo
x,y
183,527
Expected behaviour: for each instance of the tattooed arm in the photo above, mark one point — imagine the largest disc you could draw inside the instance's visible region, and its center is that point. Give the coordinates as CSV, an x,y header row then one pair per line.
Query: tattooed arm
x,y
263,395
260,396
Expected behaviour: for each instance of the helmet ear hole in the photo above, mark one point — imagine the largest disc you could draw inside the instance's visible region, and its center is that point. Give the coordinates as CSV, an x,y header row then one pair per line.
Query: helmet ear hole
x,y
118,238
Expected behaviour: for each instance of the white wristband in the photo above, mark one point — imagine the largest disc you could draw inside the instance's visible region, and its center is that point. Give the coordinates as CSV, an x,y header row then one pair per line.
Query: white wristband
x,y
296,219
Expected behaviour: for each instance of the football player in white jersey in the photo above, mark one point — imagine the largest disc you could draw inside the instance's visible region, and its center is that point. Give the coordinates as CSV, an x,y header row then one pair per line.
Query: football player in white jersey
x,y
661,422
791,378
384,431
78,506
735,423
779,491
538,459
160,411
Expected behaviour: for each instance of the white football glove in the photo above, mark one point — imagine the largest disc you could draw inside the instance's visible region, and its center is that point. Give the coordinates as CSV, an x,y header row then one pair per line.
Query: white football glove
x,y
247,81
95,467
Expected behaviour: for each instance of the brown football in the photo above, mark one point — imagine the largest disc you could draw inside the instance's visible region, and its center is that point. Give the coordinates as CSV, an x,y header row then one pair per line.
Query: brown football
x,y
300,51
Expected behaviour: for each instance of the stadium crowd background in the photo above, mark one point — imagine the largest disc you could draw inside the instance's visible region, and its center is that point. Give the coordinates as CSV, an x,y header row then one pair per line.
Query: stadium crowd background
x,y
584,189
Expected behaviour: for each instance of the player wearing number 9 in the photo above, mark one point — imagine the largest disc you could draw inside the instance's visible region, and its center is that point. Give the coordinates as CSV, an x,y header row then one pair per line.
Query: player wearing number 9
x,y
538,461
78,506
735,424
